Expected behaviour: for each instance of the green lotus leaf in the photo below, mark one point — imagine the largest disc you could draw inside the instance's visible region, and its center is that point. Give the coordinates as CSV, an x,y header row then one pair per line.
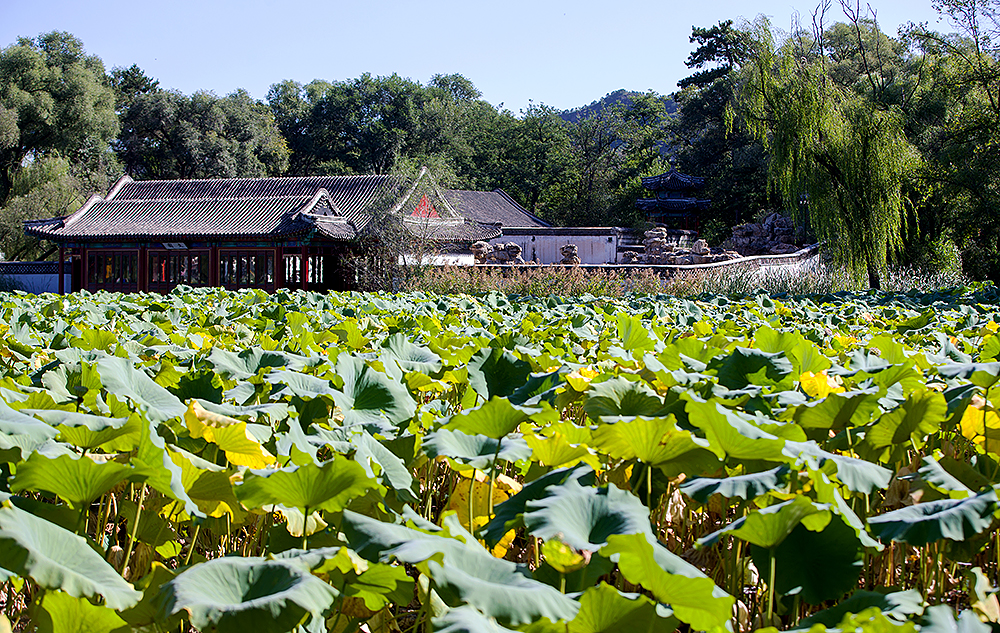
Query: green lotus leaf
x,y
540,386
301,385
934,474
770,526
248,362
633,334
743,486
76,479
123,380
153,462
22,433
983,375
510,514
246,594
496,372
328,486
838,410
62,613
379,584
653,441
495,418
478,451
940,618
467,620
836,550
730,435
392,470
583,516
462,572
58,559
621,397
88,431
857,474
803,354
604,609
734,370
696,601
923,523
410,356
369,395
919,416
898,605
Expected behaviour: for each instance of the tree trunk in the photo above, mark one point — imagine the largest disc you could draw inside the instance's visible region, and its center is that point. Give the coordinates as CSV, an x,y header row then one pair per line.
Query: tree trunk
x,y
874,281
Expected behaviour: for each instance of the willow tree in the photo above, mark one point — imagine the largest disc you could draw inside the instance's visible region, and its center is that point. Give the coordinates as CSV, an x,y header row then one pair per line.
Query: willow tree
x,y
836,152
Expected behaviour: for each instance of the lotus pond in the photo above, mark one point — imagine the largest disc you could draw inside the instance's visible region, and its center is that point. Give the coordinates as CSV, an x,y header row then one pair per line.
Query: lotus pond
x,y
227,461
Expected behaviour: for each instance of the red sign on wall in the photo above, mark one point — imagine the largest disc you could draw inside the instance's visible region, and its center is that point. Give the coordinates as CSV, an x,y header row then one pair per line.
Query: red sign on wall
x,y
425,209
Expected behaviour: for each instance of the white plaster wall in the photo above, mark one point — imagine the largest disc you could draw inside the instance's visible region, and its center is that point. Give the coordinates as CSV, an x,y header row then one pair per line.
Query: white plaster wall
x,y
545,249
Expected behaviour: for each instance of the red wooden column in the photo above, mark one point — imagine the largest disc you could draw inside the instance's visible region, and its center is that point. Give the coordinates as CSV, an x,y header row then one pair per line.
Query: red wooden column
x,y
62,277
213,266
142,271
305,267
279,267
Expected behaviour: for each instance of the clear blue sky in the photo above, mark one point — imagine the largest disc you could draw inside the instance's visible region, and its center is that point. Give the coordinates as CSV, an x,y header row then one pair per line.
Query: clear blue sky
x,y
564,54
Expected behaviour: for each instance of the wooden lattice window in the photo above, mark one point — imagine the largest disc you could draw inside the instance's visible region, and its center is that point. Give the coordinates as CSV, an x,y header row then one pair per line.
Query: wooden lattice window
x,y
112,270
170,268
247,269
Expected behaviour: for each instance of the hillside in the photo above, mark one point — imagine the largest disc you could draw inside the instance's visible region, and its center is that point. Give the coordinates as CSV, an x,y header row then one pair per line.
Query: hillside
x,y
620,96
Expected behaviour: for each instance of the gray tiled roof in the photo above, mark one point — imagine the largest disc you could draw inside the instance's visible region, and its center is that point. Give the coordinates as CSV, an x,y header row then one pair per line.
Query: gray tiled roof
x,y
205,217
492,207
673,180
336,207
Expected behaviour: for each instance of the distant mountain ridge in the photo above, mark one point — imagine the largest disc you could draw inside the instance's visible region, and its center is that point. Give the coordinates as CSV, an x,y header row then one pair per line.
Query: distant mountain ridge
x,y
618,97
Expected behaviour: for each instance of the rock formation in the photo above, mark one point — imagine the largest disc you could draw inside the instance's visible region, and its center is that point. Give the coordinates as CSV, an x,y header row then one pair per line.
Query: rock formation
x,y
570,255
486,253
658,249
774,235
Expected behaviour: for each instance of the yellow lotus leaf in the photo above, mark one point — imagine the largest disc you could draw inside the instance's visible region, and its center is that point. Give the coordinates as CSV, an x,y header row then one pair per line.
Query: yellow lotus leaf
x,y
580,378
819,385
229,434
459,503
702,328
981,424
556,450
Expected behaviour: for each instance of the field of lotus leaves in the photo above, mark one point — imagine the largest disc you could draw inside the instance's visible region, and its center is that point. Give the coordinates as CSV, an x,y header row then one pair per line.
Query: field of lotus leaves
x,y
244,462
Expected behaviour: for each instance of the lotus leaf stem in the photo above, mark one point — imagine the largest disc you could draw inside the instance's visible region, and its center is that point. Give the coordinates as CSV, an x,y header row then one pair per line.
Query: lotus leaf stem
x,y
135,529
194,539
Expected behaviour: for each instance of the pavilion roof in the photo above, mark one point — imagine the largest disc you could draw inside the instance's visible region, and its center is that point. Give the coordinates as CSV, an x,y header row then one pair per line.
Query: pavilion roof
x,y
334,207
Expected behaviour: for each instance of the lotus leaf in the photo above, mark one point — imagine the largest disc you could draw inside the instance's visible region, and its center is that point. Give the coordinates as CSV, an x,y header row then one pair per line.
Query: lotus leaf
x,y
328,486
696,601
955,519
478,451
76,479
58,559
246,594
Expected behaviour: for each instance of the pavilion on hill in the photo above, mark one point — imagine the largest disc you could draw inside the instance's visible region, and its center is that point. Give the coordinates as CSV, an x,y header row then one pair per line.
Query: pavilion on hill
x,y
674,202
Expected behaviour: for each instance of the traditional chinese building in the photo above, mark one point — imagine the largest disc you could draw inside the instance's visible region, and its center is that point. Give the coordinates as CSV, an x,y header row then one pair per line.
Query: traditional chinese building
x,y
674,202
266,233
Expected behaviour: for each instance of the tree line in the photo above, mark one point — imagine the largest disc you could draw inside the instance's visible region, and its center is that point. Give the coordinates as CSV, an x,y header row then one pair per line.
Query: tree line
x,y
883,146
69,128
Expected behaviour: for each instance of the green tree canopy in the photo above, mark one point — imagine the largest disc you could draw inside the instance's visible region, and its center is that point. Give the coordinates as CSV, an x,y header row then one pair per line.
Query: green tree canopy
x,y
54,98
166,134
840,152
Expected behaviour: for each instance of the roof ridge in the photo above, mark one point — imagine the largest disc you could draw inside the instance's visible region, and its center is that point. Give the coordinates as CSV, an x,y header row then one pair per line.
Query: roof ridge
x,y
266,178
298,197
